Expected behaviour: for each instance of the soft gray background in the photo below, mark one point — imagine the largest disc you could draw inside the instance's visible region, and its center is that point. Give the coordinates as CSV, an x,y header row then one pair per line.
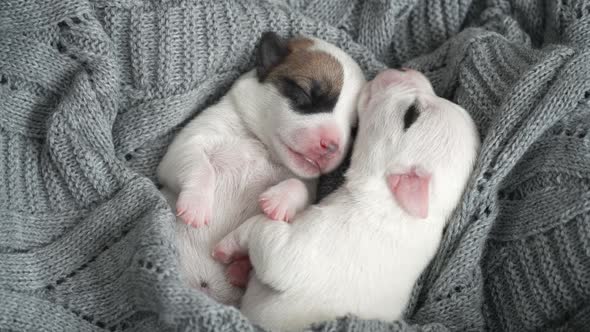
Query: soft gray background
x,y
92,92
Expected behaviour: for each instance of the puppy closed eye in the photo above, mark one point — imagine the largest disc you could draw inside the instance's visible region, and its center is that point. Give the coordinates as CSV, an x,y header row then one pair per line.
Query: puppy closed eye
x,y
316,98
411,116
298,96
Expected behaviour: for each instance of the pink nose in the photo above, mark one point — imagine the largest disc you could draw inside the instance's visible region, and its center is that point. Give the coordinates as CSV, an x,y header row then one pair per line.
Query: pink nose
x,y
329,146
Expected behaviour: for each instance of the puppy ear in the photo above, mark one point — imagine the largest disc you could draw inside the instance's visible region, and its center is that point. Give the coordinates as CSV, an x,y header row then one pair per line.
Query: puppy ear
x,y
411,192
272,49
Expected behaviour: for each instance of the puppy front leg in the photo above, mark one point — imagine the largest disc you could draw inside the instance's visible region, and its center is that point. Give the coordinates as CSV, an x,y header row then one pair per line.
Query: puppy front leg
x,y
196,180
234,245
280,202
283,200
268,244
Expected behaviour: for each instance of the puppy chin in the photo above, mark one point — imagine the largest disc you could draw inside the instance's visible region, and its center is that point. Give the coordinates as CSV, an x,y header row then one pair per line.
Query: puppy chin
x,y
334,162
305,167
296,162
299,164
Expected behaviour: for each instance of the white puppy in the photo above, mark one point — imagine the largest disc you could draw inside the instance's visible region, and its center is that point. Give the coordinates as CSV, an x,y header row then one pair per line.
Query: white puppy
x,y
361,250
289,119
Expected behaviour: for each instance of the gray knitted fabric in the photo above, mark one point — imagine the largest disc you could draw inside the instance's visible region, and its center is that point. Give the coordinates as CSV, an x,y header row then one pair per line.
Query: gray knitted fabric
x,y
91,94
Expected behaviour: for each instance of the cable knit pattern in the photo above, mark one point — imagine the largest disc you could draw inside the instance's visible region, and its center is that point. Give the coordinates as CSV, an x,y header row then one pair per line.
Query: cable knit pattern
x,y
92,92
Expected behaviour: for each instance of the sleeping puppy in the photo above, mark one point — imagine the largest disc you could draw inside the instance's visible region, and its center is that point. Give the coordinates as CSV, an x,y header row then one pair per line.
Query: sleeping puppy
x,y
280,126
362,248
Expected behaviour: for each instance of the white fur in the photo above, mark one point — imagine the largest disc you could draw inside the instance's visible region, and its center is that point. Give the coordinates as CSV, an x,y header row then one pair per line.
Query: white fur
x,y
223,160
358,252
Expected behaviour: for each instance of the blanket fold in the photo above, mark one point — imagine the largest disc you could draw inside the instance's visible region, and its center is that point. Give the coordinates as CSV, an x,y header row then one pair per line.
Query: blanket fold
x,y
93,91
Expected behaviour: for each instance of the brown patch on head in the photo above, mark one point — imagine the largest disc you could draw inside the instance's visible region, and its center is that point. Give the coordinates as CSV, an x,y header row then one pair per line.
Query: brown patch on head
x,y
317,74
303,65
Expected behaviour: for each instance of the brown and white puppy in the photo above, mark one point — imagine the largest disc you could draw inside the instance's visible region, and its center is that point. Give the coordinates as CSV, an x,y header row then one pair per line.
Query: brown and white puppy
x,y
280,126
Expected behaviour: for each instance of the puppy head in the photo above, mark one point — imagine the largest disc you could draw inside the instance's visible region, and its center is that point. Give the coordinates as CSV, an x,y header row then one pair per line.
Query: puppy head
x,y
421,147
313,87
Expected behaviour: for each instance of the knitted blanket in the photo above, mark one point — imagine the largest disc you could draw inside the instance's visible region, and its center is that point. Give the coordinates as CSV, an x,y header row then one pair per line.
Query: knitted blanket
x,y
92,92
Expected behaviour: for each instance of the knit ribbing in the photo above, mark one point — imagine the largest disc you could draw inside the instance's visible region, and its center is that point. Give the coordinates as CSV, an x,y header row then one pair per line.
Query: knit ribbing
x,y
92,93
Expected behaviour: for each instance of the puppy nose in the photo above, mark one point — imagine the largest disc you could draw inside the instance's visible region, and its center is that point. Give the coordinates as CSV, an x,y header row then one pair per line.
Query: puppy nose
x,y
329,146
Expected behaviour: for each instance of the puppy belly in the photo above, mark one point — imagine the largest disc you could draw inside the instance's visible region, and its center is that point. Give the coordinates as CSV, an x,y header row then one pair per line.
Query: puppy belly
x,y
235,200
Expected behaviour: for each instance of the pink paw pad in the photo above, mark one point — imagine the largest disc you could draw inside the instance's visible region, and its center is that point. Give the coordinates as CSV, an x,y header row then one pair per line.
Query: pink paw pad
x,y
275,209
221,255
194,210
227,251
282,201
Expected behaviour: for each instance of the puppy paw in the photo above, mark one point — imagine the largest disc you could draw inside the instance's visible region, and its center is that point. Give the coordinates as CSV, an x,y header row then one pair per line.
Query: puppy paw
x,y
276,208
238,272
282,201
194,209
227,250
